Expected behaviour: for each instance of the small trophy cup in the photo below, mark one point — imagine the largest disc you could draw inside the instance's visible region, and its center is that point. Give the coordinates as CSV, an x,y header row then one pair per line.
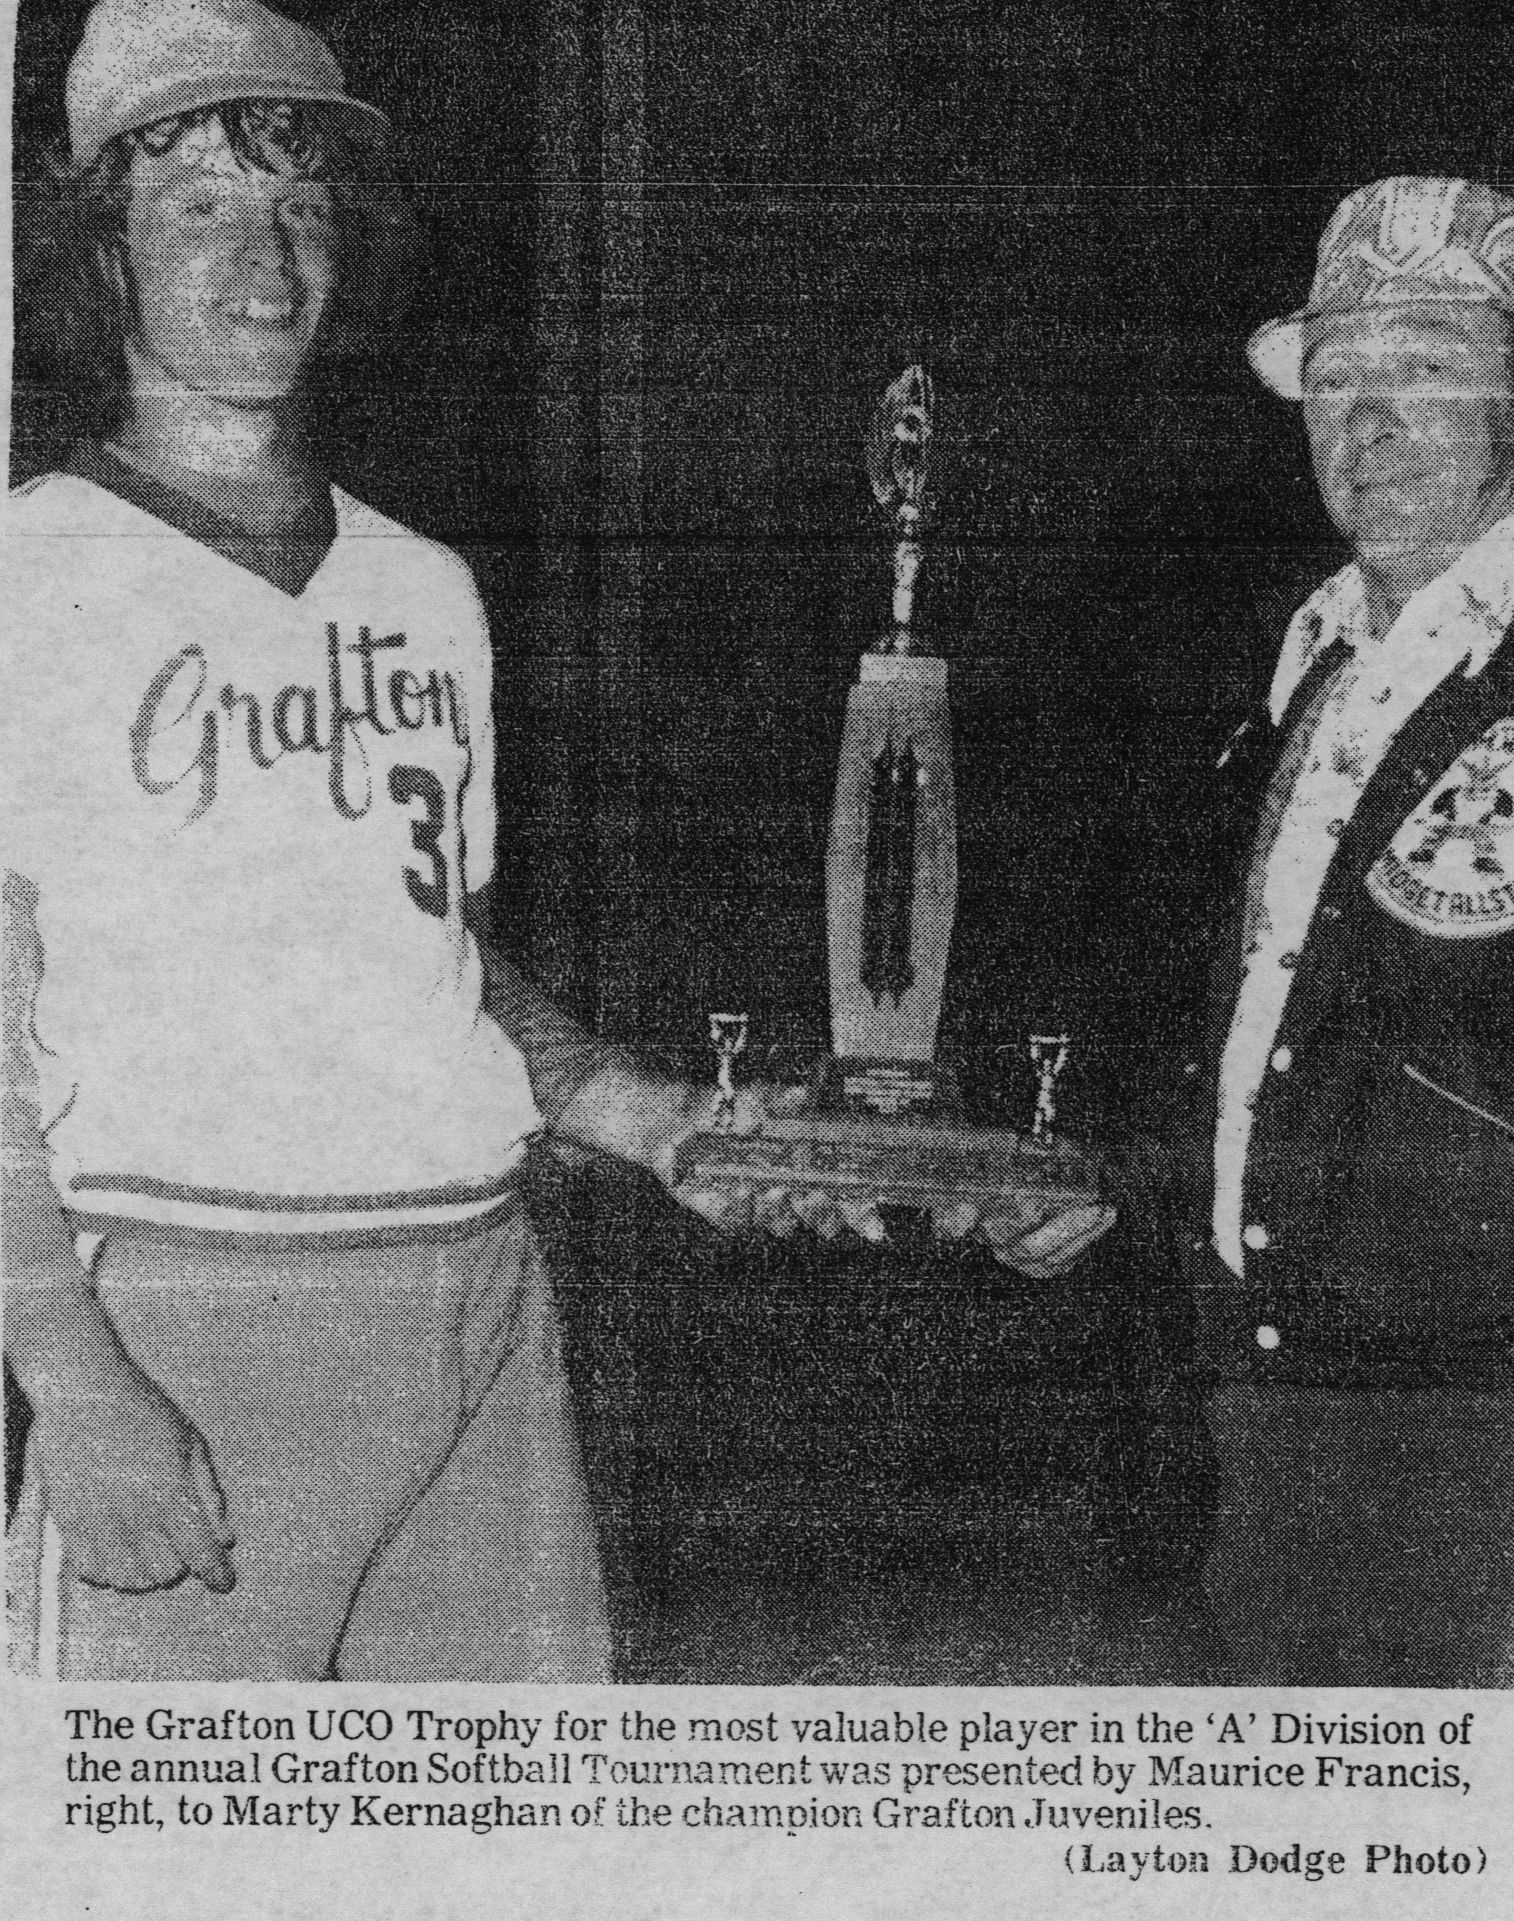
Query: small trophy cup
x,y
883,1118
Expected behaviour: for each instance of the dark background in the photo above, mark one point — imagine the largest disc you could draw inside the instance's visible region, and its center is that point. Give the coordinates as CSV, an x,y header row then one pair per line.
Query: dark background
x,y
673,255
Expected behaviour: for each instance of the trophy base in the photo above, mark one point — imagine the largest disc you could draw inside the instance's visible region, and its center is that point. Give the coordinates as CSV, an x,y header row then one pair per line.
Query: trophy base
x,y
898,1160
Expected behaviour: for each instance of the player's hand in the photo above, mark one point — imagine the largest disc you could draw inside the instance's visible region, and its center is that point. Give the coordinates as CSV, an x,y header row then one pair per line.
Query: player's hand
x,y
130,1485
778,1210
1040,1243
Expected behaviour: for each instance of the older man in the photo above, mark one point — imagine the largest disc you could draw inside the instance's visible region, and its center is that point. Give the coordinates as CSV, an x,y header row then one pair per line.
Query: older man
x,y
1357,1276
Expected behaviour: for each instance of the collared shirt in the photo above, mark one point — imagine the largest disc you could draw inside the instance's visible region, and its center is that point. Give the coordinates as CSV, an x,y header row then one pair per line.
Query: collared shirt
x,y
1336,746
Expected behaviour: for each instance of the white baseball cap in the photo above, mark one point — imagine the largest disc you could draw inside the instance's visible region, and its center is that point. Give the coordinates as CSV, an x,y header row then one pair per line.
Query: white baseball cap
x,y
141,61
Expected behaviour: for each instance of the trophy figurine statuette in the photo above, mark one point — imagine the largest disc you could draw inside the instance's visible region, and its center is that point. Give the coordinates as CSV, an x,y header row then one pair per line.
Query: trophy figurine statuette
x,y
882,1119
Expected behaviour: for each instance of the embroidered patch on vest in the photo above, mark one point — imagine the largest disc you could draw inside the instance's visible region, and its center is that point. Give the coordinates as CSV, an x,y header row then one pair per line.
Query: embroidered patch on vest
x,y
1449,870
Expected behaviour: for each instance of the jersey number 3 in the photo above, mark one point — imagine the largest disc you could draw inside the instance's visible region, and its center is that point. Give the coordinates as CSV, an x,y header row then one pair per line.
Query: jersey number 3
x,y
406,784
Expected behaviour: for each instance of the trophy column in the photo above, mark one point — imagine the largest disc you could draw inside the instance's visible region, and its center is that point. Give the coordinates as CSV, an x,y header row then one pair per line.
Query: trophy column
x,y
891,882
891,865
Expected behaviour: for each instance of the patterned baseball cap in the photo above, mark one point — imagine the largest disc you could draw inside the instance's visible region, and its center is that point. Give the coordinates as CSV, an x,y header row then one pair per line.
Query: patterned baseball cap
x,y
1394,242
141,61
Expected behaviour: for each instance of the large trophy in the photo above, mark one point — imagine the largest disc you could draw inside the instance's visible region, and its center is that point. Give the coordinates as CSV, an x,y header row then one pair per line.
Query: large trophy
x,y
883,1119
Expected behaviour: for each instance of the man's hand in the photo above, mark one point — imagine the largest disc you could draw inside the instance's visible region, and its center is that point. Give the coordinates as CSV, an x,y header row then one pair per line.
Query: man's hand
x,y
130,1484
778,1210
1038,1243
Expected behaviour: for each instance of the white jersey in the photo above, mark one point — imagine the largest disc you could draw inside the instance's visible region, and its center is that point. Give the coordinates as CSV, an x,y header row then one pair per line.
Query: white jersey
x,y
251,813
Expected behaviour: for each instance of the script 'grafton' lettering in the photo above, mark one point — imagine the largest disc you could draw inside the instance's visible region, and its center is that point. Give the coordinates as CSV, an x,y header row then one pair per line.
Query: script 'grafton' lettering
x,y
181,729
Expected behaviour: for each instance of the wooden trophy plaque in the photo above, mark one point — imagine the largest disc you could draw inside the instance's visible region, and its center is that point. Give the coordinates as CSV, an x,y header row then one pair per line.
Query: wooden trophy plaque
x,y
883,1120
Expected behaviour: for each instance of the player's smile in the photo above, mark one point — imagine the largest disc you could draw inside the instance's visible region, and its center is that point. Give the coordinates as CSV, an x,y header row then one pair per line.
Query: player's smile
x,y
265,313
233,270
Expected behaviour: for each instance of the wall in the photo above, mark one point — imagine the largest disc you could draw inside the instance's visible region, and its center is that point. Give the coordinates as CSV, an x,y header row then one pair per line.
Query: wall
x,y
675,253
